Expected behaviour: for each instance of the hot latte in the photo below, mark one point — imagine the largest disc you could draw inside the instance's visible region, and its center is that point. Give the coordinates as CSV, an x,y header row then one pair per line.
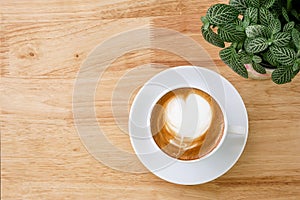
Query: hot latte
x,y
187,123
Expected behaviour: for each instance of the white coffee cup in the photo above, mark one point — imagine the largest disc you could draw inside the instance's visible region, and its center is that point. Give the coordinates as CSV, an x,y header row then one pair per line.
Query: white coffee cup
x,y
140,127
188,123
195,171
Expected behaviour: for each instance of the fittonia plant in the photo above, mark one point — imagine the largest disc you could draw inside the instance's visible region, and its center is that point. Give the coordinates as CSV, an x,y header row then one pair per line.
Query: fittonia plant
x,y
264,33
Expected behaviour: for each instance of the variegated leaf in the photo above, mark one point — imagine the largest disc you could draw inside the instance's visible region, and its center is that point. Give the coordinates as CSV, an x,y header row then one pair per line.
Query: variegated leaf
x,y
285,14
296,38
226,55
254,3
257,45
268,56
282,39
229,33
244,57
257,31
257,67
274,26
247,40
256,59
230,57
289,27
265,16
252,14
282,74
268,3
219,14
212,37
283,55
240,5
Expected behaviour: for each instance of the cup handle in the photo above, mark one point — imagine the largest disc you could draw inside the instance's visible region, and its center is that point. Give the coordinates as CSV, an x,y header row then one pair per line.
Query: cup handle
x,y
237,130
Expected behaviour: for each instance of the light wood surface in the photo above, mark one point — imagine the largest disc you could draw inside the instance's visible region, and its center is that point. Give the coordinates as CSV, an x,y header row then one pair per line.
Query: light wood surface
x,y
43,44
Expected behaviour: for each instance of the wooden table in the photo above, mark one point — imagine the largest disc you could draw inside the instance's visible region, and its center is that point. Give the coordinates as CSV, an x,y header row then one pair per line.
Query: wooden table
x,y
44,43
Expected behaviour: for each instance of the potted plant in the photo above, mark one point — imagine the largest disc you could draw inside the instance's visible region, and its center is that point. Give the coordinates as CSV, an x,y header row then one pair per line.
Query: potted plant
x,y
260,38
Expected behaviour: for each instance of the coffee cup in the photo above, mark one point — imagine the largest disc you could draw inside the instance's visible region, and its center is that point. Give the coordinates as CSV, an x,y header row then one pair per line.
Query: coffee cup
x,y
188,124
187,90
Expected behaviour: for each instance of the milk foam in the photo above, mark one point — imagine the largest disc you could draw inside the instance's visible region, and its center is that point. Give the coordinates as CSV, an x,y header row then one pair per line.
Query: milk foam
x,y
189,117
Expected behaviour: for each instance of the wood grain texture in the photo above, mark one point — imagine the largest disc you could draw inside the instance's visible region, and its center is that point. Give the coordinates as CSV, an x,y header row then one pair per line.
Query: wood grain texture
x,y
43,44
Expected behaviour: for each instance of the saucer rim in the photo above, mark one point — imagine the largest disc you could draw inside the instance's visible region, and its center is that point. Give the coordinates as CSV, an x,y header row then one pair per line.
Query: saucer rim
x,y
245,136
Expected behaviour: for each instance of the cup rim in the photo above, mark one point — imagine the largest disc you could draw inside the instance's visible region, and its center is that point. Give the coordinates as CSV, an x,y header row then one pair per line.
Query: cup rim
x,y
224,134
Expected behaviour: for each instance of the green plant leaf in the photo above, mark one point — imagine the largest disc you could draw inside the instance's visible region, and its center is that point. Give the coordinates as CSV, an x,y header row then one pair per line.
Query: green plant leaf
x,y
219,14
244,57
296,38
229,33
238,22
227,55
268,56
296,66
268,3
282,75
231,58
246,22
276,9
212,37
239,25
246,42
240,5
297,26
265,16
256,59
296,72
282,39
285,15
283,55
257,45
289,27
295,14
251,14
254,3
205,22
257,67
274,26
254,31
239,45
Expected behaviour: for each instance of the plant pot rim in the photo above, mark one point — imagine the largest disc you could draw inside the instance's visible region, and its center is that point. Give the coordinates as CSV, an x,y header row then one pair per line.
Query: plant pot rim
x,y
255,75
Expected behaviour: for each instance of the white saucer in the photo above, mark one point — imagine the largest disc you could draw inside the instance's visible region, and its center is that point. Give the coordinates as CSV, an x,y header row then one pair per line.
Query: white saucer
x,y
187,172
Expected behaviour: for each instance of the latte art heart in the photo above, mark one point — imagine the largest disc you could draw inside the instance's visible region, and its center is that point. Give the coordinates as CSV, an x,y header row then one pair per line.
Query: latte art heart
x,y
187,123
188,117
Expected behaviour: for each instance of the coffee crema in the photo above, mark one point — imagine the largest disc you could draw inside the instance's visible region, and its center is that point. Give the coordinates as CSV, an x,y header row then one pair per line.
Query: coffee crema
x,y
187,123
